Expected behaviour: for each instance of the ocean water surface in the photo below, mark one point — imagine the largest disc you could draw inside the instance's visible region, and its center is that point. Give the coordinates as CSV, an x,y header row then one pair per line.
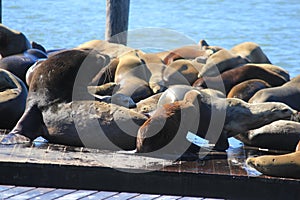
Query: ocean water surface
x,y
273,24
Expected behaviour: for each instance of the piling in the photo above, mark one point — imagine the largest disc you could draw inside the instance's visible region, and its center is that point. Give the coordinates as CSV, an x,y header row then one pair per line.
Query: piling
x,y
117,14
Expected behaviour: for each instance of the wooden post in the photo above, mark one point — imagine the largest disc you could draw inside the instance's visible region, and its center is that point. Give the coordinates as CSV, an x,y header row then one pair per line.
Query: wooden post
x,y
0,11
117,14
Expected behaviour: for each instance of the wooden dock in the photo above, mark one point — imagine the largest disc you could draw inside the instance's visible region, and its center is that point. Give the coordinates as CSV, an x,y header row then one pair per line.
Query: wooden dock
x,y
43,165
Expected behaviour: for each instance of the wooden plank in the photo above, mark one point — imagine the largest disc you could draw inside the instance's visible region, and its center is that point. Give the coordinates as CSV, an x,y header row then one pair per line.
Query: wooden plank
x,y
14,191
77,195
168,197
191,198
100,195
5,187
123,195
31,193
146,197
117,14
54,194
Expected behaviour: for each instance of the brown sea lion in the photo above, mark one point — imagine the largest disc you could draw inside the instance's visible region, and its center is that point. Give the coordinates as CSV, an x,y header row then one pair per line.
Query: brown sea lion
x,y
219,62
278,135
187,52
12,42
148,105
250,51
13,93
230,78
274,68
31,71
246,89
288,93
60,109
228,116
205,46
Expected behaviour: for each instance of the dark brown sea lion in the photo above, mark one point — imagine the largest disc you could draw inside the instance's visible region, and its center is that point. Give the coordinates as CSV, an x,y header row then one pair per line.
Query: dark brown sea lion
x,y
250,51
288,93
31,71
278,135
209,117
246,89
13,93
20,63
60,109
219,62
230,78
205,46
12,42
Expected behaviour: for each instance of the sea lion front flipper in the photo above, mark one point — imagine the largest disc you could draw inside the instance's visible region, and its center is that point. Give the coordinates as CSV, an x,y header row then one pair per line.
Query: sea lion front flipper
x,y
29,127
14,138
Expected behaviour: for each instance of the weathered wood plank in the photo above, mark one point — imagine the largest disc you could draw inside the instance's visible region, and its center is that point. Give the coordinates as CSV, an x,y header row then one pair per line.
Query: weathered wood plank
x,y
100,195
117,14
5,187
123,196
31,193
77,195
14,191
168,197
146,197
54,194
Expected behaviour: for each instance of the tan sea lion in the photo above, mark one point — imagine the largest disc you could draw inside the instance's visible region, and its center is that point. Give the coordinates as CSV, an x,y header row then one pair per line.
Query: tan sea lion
x,y
250,51
219,62
285,166
182,71
112,49
60,109
278,135
187,52
246,89
288,93
13,93
12,42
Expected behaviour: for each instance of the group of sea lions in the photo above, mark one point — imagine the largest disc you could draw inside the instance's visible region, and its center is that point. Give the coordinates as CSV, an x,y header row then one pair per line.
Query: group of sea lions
x,y
110,96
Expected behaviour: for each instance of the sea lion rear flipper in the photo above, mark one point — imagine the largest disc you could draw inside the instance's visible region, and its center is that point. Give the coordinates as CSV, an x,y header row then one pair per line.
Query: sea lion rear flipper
x,y
29,127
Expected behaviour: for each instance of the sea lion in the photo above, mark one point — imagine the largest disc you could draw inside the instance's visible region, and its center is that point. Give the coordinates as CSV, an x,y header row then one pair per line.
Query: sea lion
x,y
112,49
132,77
13,93
187,52
12,42
288,93
148,105
246,89
228,116
20,63
31,71
274,68
251,52
298,146
285,166
225,81
183,72
205,46
219,62
278,135
60,109
38,46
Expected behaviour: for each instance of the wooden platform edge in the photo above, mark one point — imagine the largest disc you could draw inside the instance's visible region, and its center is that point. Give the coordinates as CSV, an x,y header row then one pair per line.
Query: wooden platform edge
x,y
156,182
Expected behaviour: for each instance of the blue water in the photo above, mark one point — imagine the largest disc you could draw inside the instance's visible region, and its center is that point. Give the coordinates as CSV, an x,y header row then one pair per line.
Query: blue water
x,y
274,24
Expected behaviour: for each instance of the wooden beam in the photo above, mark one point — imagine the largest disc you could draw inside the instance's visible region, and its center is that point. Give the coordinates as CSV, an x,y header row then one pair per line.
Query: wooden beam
x,y
0,11
117,14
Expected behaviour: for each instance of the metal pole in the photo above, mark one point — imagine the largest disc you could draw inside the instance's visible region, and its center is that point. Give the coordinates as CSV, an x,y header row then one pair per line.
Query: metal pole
x,y
117,14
